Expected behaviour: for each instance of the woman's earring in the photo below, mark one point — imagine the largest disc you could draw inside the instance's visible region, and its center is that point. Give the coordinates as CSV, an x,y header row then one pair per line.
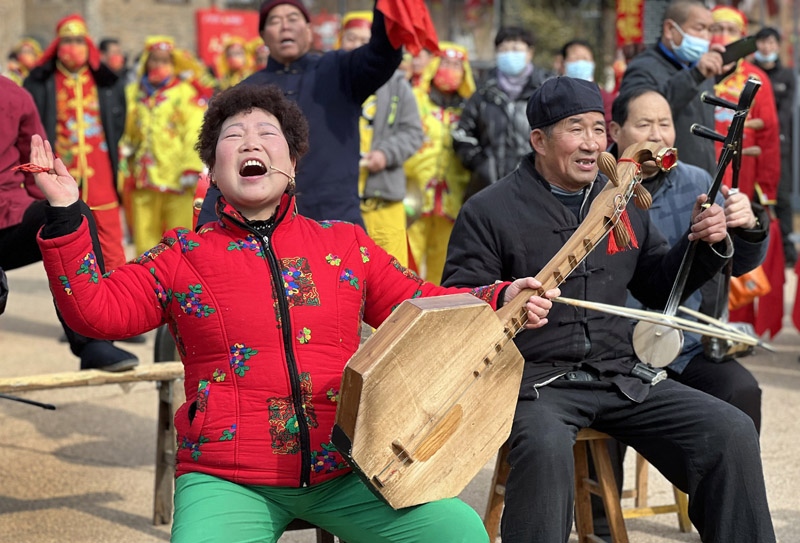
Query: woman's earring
x,y
291,185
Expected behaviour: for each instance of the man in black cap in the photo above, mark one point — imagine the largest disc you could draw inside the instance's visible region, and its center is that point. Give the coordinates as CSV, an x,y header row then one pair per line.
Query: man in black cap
x,y
580,369
330,89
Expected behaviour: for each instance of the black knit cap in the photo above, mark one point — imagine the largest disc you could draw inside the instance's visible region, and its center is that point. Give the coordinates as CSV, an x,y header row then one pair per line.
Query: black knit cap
x,y
562,97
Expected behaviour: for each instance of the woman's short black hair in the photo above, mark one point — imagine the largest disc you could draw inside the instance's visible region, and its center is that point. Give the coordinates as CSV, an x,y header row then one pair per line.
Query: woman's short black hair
x,y
513,33
243,99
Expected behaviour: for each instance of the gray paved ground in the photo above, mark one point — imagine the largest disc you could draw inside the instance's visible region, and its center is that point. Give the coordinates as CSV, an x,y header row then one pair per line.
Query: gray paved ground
x,y
84,473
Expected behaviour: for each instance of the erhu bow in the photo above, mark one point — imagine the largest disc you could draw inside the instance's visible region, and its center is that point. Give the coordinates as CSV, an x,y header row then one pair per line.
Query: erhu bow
x,y
417,430
660,343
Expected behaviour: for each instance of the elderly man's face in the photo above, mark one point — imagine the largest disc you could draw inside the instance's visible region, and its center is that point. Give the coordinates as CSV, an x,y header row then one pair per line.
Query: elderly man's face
x,y
568,157
287,33
649,119
698,23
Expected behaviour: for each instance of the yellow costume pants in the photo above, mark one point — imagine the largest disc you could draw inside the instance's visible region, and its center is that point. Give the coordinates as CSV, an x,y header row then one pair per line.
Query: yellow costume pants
x,y
386,225
428,238
154,212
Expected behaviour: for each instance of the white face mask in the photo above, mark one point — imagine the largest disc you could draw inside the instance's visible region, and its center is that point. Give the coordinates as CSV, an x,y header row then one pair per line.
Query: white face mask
x,y
580,69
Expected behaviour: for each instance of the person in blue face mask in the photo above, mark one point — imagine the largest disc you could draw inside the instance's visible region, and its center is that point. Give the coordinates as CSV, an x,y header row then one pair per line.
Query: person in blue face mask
x,y
493,132
766,57
681,66
578,62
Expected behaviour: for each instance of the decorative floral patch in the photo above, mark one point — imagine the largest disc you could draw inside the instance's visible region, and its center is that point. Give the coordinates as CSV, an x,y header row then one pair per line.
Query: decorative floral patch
x,y
326,460
186,244
364,254
406,272
65,283
239,355
284,428
484,293
89,267
304,336
298,283
347,276
333,260
219,375
328,224
150,255
206,229
194,447
227,435
163,295
191,304
250,243
333,394
203,388
176,334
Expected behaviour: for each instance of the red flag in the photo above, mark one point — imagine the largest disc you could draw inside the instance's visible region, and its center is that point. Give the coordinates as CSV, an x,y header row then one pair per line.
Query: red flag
x,y
409,24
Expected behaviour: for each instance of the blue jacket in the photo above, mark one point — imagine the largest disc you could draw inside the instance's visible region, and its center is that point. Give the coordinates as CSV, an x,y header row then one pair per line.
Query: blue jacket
x,y
671,213
329,89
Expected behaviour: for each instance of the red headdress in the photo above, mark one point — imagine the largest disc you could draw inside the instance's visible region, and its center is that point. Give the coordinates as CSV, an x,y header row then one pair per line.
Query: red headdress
x,y
72,25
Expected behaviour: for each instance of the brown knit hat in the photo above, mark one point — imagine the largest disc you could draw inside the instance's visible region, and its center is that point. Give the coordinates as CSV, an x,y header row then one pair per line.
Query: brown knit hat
x,y
267,5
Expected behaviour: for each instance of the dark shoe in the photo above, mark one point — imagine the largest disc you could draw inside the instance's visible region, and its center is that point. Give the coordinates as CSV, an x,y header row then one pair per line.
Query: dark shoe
x,y
135,339
103,355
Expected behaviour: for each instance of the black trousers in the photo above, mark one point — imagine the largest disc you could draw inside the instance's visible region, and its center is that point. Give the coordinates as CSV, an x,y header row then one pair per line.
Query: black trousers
x,y
18,248
703,445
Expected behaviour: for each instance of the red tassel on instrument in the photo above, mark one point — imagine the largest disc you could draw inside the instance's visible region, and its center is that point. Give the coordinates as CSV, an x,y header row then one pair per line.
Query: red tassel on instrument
x,y
624,231
408,23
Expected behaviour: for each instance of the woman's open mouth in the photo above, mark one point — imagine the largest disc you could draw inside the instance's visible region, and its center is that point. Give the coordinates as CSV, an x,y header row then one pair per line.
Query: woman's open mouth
x,y
252,168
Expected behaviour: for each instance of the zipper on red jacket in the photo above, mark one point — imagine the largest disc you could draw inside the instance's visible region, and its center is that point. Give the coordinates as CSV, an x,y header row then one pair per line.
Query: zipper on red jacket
x,y
291,363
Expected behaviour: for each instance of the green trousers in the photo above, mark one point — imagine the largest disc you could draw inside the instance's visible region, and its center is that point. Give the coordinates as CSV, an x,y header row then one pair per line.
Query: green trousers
x,y
213,510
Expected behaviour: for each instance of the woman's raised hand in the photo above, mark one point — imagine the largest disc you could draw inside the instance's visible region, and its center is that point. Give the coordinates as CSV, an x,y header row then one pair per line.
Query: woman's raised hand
x,y
56,183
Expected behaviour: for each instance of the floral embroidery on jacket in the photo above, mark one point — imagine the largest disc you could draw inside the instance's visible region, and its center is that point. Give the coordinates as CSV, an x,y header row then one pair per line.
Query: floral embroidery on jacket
x,y
364,254
298,283
191,304
239,355
151,254
484,293
250,243
227,435
164,296
65,283
203,389
186,244
304,337
89,267
333,394
326,460
333,260
194,447
347,276
218,376
284,428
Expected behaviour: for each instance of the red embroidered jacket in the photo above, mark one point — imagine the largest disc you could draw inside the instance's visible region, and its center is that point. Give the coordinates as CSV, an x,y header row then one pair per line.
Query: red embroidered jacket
x,y
264,326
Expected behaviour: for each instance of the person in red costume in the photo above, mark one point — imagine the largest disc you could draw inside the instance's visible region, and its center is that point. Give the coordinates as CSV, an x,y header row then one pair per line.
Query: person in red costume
x,y
266,307
761,162
82,105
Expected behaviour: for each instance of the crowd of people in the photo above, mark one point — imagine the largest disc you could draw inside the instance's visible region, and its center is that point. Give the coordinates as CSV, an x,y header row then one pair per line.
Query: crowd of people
x,y
461,186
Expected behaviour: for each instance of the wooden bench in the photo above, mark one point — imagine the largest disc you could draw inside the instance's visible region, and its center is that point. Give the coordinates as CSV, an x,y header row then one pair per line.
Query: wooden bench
x,y
170,397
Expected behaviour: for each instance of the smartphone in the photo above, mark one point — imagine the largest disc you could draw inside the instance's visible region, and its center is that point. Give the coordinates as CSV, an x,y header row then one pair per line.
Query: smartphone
x,y
739,49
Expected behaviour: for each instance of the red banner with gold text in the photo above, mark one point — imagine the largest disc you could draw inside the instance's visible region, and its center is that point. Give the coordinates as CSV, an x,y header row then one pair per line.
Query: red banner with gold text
x,y
214,26
630,22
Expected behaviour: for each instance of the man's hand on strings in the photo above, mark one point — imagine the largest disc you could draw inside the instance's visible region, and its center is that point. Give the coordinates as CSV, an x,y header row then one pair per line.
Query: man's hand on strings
x,y
707,224
56,183
538,306
738,211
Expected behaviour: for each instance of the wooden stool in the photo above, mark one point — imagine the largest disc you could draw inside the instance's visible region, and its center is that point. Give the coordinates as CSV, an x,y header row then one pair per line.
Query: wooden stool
x,y
605,486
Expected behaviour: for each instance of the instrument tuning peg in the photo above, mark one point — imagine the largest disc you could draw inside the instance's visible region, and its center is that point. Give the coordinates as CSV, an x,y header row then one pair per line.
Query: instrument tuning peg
x,y
608,165
707,133
709,98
